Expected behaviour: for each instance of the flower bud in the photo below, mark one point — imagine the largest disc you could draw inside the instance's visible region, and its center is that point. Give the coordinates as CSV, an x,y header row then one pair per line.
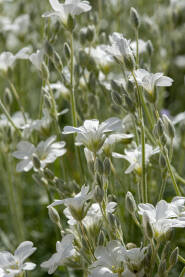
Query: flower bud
x,y
101,238
162,161
90,33
67,51
166,250
8,97
48,174
135,19
98,194
48,49
57,61
53,215
129,103
147,226
129,62
45,71
130,203
116,97
115,86
107,167
36,161
169,126
99,166
131,245
160,128
174,257
47,102
162,269
149,48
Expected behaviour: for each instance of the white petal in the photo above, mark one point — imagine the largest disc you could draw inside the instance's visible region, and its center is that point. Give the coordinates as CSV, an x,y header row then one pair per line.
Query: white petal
x,y
24,250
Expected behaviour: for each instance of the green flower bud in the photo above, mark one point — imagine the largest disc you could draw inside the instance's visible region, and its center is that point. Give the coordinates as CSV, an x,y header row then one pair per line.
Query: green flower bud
x,y
98,194
169,126
57,61
99,166
8,97
107,167
174,257
115,86
135,19
129,104
47,102
116,97
45,71
162,269
53,215
48,49
166,250
48,174
67,51
130,86
129,62
90,33
36,161
162,161
101,238
149,48
130,203
160,128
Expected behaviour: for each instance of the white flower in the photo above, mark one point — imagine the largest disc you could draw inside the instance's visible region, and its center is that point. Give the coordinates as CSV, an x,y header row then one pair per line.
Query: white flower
x,y
94,214
109,260
59,89
19,26
92,133
149,80
120,47
11,265
73,7
37,59
161,217
7,59
65,250
142,45
134,157
17,118
76,204
47,151
134,259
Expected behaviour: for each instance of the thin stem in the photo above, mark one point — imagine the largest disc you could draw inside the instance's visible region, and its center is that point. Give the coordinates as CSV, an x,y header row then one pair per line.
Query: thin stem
x,y
182,272
87,240
181,259
163,186
9,117
137,48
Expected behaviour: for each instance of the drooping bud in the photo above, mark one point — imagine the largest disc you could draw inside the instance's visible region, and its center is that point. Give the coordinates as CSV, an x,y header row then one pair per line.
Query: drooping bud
x,y
130,203
135,19
98,194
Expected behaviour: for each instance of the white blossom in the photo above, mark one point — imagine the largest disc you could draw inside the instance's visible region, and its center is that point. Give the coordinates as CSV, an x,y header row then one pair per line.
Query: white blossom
x,y
149,80
64,250
92,133
11,265
47,151
134,157
37,59
73,7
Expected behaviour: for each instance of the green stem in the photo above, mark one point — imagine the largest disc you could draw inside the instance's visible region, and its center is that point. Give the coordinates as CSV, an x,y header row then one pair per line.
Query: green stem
x,y
162,188
181,259
9,117
182,273
137,48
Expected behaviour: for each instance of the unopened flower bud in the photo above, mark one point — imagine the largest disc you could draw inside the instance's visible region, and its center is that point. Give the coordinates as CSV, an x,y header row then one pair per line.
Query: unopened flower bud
x,y
70,23
47,102
162,269
67,51
130,203
45,71
149,47
98,194
107,167
116,97
101,238
90,33
48,49
166,250
99,166
169,234
160,128
115,86
174,257
57,61
112,220
130,86
129,62
36,161
48,174
147,226
135,19
129,104
53,215
8,97
169,126
162,161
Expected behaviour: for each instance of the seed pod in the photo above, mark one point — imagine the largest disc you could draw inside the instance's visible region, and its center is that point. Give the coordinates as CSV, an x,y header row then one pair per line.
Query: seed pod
x,y
130,203
53,215
174,257
135,19
67,51
36,161
107,167
116,97
98,194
